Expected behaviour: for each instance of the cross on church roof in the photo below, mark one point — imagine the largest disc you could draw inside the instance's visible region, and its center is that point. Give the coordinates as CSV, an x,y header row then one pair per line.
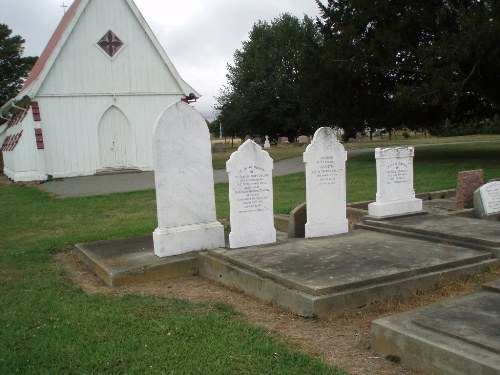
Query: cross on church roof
x,y
110,43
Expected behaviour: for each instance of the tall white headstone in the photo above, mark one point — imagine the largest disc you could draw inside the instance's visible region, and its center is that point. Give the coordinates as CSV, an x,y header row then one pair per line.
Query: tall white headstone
x,y
184,182
250,196
325,160
395,194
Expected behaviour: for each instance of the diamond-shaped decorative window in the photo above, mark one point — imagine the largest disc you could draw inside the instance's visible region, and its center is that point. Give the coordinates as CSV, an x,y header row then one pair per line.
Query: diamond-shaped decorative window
x,y
110,43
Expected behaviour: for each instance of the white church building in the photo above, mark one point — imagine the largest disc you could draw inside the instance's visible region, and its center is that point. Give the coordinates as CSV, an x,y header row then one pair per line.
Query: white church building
x,y
91,100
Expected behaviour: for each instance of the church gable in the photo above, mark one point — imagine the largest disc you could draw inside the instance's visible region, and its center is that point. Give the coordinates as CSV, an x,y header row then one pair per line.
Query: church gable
x,y
108,51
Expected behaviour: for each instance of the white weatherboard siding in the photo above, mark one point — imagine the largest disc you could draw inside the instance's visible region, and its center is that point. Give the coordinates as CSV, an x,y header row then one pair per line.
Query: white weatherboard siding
x,y
71,130
83,68
97,112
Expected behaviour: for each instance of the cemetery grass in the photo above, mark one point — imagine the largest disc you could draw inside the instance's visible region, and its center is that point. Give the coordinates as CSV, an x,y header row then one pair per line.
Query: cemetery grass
x,y
51,324
295,150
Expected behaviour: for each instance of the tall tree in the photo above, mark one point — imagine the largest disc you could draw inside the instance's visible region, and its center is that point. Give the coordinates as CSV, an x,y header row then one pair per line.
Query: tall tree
x,y
263,93
13,67
408,63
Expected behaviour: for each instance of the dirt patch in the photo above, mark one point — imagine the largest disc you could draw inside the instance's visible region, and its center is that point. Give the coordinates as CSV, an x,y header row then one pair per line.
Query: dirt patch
x,y
343,342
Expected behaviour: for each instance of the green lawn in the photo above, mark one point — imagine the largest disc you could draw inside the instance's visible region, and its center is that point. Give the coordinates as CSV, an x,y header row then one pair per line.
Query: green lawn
x,y
50,326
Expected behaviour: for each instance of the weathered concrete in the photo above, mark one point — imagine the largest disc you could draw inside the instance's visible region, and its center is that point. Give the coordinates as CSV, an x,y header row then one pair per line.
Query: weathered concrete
x,y
131,260
328,276
457,336
459,230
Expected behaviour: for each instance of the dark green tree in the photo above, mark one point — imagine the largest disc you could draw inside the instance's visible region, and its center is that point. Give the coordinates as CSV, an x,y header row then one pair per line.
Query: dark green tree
x,y
13,67
263,93
406,63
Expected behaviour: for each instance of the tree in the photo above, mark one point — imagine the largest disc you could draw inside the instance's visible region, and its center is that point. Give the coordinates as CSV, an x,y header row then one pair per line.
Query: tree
x,y
13,67
263,94
408,63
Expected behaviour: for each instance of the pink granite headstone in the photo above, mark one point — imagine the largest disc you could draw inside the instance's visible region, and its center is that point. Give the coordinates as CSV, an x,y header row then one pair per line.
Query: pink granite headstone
x,y
467,183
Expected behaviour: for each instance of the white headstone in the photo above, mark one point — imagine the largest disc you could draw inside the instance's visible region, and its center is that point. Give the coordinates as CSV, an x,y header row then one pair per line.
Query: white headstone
x,y
184,183
395,194
266,142
487,201
250,196
325,161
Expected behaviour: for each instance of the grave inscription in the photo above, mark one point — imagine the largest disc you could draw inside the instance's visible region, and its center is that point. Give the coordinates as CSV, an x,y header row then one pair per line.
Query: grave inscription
x,y
324,162
250,196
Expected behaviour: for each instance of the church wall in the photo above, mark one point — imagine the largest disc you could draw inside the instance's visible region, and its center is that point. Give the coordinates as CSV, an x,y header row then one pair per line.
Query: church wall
x,y
83,68
71,130
21,162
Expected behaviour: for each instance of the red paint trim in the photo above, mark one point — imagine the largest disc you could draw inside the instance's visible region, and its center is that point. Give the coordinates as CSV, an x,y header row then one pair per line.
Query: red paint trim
x,y
11,141
35,109
39,139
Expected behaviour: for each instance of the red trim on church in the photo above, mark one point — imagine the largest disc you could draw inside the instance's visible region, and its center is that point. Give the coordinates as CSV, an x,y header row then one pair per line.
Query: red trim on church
x,y
35,109
11,141
39,139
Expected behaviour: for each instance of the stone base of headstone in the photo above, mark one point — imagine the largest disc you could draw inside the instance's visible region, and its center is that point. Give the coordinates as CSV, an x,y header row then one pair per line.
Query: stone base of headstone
x,y
252,239
187,238
394,208
326,229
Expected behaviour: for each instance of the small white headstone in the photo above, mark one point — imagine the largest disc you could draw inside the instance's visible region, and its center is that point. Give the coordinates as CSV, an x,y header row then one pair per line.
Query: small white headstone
x,y
395,194
487,201
184,183
250,196
325,160
266,142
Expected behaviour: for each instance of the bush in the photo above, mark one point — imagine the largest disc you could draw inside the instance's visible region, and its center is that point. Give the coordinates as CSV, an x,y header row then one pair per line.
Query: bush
x,y
486,126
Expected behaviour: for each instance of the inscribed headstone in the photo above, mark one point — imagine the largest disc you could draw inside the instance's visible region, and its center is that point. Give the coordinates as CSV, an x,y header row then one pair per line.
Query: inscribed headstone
x,y
487,201
395,194
267,144
467,183
325,160
184,183
283,140
303,139
250,196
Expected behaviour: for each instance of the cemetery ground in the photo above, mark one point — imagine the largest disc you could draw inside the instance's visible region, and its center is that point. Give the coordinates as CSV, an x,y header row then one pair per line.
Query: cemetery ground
x,y
58,318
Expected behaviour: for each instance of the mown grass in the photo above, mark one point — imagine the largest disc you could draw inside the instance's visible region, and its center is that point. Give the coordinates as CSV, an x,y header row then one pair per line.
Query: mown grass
x,y
51,326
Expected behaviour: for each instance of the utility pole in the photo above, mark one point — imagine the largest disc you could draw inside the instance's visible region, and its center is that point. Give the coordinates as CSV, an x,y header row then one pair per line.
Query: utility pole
x,y
64,6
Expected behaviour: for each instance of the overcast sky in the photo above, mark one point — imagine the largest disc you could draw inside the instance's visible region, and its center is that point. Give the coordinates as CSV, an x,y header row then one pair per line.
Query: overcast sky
x,y
199,36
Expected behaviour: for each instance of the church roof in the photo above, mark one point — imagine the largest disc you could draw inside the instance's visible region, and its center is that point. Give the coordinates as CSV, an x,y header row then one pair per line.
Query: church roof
x,y
61,34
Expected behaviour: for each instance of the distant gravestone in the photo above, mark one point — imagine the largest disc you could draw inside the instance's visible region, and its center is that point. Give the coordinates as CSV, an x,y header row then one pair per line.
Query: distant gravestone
x,y
250,196
467,183
395,194
303,139
217,147
487,201
283,140
266,142
258,140
184,183
325,160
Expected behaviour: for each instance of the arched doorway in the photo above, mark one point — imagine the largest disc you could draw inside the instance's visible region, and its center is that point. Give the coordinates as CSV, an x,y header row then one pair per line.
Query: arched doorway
x,y
115,146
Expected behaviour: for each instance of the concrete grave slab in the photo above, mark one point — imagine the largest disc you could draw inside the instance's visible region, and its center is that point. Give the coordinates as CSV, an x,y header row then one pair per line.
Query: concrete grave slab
x,y
456,336
132,260
328,276
437,227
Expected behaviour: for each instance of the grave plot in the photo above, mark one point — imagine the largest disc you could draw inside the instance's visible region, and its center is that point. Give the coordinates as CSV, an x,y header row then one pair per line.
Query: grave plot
x,y
459,336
